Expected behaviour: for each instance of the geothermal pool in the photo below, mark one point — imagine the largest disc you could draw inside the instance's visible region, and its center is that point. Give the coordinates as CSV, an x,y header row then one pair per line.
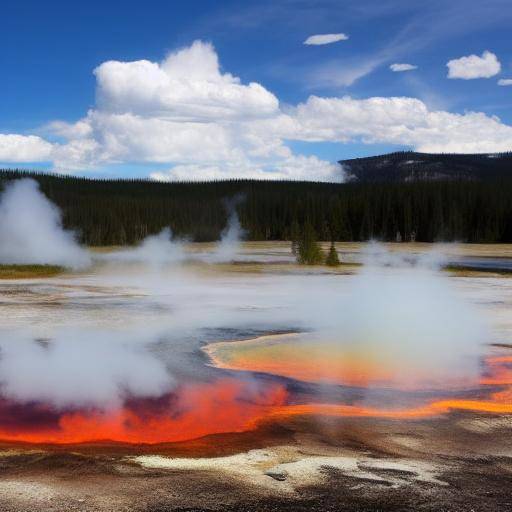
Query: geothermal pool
x,y
180,378
134,351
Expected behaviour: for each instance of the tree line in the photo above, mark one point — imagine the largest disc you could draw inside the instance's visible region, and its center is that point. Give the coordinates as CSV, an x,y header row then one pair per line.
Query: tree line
x,y
119,212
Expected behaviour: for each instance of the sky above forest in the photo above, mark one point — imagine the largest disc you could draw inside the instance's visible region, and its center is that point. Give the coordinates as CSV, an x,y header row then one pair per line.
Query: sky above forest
x,y
199,90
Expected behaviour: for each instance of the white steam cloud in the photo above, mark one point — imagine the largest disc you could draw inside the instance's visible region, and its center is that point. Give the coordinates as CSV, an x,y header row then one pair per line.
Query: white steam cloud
x,y
154,250
398,311
79,369
162,249
31,229
232,235
403,313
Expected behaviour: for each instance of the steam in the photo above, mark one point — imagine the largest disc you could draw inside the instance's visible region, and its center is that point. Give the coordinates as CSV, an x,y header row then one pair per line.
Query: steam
x,y
403,314
399,311
154,250
162,249
231,236
78,368
31,229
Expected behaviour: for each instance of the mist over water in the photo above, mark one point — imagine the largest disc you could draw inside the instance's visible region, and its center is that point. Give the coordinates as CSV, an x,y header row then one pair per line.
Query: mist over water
x,y
156,250
402,313
31,229
398,312
80,368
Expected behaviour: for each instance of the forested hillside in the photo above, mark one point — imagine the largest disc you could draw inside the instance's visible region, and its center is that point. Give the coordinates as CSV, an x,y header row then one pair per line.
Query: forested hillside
x,y
406,166
124,211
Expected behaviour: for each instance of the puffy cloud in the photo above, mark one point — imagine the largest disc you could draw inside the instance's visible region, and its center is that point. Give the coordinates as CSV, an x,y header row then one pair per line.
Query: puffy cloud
x,y
78,130
397,68
298,167
183,110
188,84
24,148
203,123
505,81
404,121
320,39
473,66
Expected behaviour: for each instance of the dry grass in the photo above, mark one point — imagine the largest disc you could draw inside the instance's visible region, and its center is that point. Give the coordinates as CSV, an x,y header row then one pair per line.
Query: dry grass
x,y
29,271
451,249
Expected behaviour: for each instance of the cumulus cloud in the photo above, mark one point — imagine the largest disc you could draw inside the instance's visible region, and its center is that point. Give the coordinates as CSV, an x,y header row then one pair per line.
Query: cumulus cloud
x,y
184,111
321,39
396,120
201,123
505,81
295,167
473,66
187,85
397,68
24,148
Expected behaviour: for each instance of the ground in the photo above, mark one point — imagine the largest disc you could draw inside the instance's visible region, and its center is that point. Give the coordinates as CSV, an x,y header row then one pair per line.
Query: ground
x,y
29,271
459,461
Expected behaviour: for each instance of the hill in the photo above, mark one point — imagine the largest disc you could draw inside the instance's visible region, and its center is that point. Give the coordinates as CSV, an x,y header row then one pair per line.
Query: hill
x,y
407,166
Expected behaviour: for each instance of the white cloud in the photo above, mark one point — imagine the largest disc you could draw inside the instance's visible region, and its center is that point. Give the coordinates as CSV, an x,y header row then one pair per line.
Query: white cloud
x,y
332,74
188,84
320,39
24,148
404,121
78,130
183,110
473,66
397,68
505,81
298,167
201,123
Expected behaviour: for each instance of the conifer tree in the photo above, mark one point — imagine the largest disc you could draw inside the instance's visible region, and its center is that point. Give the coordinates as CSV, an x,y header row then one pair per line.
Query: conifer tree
x,y
332,259
295,236
309,251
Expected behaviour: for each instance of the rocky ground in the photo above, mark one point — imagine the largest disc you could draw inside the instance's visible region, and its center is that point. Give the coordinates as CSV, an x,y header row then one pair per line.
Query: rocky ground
x,y
458,463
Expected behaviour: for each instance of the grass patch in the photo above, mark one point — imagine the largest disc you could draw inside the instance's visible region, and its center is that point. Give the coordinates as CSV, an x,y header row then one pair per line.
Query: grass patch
x,y
29,271
469,271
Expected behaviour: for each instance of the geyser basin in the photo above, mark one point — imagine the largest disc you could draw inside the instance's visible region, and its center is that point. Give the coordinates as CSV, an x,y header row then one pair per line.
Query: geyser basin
x,y
369,331
232,405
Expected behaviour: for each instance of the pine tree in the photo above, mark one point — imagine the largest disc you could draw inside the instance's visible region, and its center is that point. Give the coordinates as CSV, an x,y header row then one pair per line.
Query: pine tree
x,y
110,212
295,236
332,259
309,251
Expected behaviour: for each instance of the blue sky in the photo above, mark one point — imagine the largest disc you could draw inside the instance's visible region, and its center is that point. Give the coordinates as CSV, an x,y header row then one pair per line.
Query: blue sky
x,y
309,105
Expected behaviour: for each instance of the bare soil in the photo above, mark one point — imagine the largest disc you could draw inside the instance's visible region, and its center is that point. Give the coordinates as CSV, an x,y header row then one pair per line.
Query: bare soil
x,y
462,462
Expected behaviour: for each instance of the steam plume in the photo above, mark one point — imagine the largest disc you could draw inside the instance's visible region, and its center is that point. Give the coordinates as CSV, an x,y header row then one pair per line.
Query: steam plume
x,y
154,250
78,368
405,314
31,229
232,234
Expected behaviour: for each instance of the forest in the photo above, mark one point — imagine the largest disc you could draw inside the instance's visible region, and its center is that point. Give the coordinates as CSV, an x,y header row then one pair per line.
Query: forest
x,y
404,166
119,212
